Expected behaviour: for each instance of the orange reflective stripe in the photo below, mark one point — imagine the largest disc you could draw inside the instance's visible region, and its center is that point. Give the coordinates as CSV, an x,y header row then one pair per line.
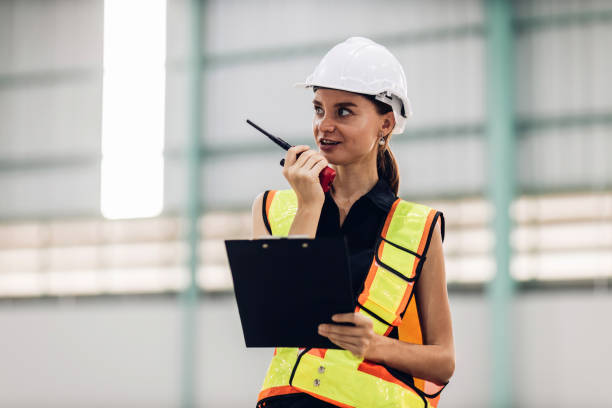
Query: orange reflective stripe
x,y
274,391
425,236
269,200
318,352
419,383
410,328
367,285
328,400
434,401
390,217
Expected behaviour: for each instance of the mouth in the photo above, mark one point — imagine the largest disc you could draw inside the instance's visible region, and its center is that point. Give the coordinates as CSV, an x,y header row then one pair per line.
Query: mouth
x,y
328,142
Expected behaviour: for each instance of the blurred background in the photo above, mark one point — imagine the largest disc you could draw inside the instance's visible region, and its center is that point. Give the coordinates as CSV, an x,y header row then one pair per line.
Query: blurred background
x,y
125,161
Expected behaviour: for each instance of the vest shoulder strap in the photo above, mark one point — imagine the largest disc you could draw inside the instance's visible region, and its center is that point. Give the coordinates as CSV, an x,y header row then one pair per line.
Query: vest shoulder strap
x,y
399,254
278,211
409,226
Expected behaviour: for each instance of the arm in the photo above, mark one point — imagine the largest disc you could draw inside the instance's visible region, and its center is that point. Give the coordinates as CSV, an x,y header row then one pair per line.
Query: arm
x,y
303,176
305,221
435,359
302,173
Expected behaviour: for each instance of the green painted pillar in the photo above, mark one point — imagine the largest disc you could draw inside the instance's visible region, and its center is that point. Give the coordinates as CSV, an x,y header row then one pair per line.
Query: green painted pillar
x,y
189,298
501,138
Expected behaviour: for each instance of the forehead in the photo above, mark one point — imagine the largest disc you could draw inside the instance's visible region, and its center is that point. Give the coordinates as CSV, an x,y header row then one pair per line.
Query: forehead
x,y
325,95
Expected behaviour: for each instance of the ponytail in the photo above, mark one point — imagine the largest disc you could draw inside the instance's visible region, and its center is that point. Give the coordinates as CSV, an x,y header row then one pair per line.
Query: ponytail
x,y
387,167
386,164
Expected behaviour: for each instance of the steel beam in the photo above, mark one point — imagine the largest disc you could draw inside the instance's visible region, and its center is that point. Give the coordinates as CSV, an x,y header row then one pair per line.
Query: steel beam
x,y
189,299
501,135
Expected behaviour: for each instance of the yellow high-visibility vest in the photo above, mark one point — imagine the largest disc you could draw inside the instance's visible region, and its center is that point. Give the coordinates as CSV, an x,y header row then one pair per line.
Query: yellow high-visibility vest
x,y
337,376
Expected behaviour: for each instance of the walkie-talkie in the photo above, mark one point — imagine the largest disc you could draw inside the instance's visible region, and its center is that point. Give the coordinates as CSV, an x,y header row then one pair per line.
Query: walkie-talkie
x,y
327,175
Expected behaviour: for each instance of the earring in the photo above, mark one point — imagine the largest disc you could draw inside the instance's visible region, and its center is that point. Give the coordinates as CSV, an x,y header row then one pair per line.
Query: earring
x,y
381,141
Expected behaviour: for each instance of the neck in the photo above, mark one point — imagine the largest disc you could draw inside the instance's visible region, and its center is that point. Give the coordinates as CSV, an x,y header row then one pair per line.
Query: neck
x,y
354,180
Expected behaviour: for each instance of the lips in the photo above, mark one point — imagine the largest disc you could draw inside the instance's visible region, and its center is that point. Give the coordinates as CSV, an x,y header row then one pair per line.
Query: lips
x,y
328,142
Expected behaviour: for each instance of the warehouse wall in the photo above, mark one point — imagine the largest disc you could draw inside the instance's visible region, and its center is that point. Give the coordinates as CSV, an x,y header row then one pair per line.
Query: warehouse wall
x,y
51,85
50,107
252,66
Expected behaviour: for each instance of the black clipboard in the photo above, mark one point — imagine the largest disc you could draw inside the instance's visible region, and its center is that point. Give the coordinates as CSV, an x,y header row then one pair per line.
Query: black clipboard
x,y
286,287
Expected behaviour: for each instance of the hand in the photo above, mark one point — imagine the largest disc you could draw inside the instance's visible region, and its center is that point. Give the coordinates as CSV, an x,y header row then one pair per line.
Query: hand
x,y
303,174
359,339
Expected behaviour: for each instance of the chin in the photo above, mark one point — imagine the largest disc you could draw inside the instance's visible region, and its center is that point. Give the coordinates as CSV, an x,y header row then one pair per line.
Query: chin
x,y
335,161
330,157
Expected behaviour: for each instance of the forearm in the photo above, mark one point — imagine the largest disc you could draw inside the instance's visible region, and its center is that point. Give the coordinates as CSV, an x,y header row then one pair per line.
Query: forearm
x,y
306,220
430,362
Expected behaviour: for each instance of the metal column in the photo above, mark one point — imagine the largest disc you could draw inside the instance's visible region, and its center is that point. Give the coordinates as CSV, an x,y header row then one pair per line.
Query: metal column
x,y
189,298
501,154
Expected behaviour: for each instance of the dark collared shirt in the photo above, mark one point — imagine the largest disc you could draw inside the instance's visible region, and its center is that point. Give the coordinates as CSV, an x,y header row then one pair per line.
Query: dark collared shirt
x,y
361,228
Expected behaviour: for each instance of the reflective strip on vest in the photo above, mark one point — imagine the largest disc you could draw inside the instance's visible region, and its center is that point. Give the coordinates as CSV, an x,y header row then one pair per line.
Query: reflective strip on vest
x,y
390,280
337,376
281,207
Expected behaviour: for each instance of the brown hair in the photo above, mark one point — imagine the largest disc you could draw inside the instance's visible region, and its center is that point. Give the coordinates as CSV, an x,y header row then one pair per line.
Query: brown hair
x,y
386,164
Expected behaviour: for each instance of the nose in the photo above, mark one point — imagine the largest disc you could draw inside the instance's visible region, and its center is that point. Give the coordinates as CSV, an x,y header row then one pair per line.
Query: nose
x,y
326,124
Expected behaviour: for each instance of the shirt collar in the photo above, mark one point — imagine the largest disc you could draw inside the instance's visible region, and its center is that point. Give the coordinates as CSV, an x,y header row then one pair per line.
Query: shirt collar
x,y
381,195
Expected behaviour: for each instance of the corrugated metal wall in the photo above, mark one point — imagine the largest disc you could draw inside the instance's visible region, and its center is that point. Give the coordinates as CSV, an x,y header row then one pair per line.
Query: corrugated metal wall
x,y
50,107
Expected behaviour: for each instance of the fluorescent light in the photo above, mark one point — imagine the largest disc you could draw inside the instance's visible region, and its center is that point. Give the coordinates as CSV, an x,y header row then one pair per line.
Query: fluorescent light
x,y
133,108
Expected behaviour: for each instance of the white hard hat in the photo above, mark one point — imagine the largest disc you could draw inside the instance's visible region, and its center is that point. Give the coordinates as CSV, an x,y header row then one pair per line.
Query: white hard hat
x,y
360,65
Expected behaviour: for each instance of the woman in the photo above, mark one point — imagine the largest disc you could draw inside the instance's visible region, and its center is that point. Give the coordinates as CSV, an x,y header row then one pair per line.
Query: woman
x,y
399,351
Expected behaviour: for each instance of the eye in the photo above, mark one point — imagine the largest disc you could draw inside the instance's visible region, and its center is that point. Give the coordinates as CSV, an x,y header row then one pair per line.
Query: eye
x,y
344,112
318,110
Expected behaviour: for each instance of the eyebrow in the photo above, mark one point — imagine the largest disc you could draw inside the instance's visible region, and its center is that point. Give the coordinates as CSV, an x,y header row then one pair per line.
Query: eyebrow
x,y
316,102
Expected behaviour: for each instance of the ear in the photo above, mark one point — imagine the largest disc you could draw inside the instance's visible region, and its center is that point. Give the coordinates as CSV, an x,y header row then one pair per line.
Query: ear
x,y
388,123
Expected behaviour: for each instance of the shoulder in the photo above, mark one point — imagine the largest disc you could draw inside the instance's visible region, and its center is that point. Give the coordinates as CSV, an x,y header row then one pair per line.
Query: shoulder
x,y
276,199
257,202
278,196
267,196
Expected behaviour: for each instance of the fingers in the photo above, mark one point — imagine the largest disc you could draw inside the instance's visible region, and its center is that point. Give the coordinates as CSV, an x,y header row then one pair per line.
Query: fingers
x,y
338,330
355,345
316,162
292,153
356,318
319,166
307,158
358,339
303,159
353,348
300,159
303,180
